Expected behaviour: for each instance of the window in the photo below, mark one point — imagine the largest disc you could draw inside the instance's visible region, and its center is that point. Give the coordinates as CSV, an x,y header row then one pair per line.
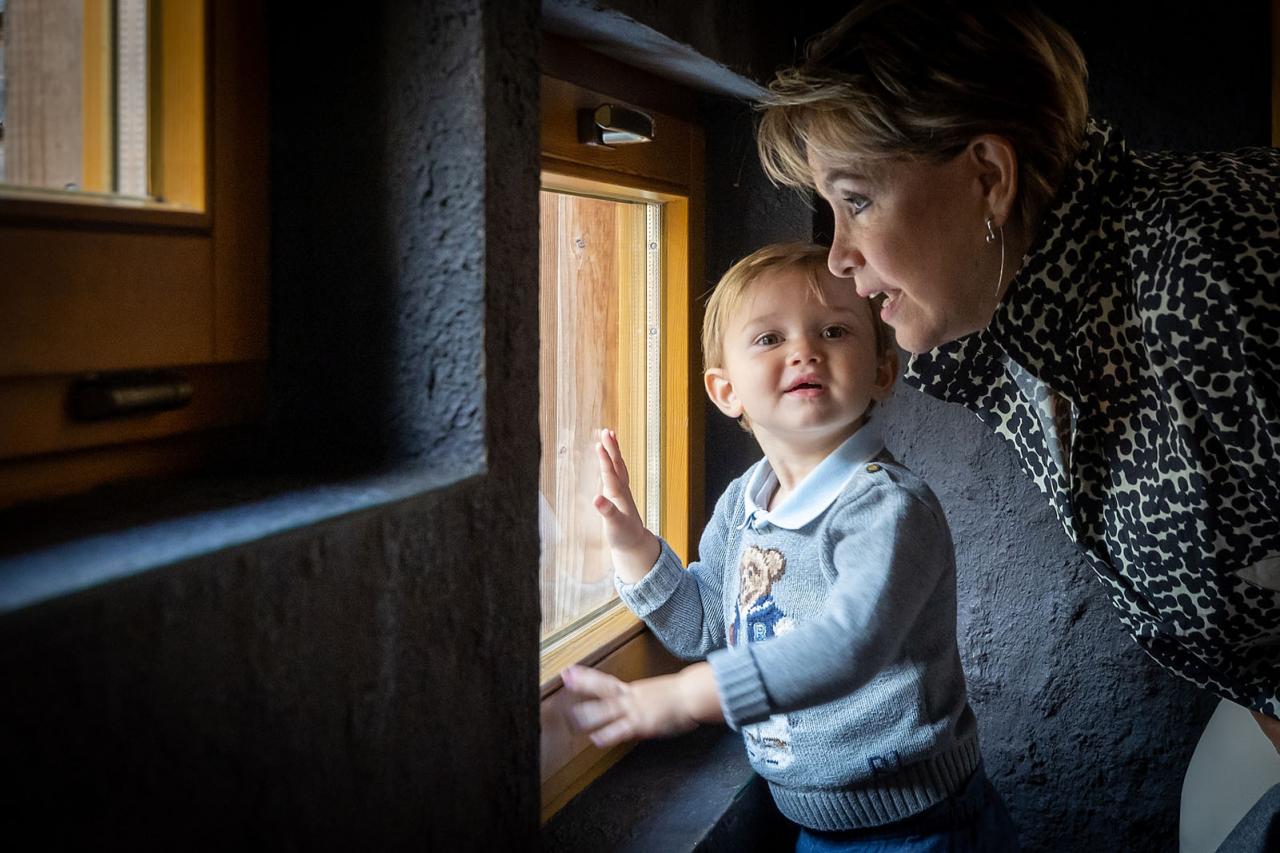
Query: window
x,y
82,82
620,267
600,361
133,227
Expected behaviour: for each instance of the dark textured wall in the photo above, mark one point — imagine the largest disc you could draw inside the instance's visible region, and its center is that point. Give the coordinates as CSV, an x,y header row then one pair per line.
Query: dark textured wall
x,y
1086,738
378,153
744,212
368,682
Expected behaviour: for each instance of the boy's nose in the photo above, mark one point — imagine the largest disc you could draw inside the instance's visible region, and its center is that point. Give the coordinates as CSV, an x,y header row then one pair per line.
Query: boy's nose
x,y
804,352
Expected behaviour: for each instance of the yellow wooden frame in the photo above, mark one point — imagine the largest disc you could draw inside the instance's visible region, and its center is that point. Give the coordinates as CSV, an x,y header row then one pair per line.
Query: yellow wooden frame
x,y
592,643
96,117
668,171
179,175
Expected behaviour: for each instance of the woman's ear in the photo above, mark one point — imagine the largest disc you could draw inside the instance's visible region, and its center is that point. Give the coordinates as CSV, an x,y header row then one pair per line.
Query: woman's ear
x,y
996,161
720,390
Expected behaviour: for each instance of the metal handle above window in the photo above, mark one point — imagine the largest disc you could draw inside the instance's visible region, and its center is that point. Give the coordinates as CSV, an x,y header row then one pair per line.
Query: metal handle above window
x,y
609,125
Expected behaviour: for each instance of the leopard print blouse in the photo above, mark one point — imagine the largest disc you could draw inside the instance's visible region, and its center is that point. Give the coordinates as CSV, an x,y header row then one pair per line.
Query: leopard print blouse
x,y
1134,366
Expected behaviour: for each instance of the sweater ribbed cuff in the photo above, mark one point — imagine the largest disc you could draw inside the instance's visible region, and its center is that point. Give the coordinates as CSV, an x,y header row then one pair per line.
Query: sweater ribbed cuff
x,y
742,695
652,591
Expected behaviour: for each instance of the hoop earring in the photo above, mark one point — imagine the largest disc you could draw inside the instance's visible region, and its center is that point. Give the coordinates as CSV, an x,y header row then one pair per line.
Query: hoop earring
x,y
991,238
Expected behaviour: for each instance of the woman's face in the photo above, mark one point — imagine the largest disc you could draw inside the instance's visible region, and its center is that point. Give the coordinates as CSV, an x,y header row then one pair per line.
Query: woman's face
x,y
916,233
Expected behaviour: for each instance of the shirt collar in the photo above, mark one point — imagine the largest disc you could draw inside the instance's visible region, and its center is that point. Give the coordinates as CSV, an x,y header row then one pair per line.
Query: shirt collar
x,y
1055,286
817,491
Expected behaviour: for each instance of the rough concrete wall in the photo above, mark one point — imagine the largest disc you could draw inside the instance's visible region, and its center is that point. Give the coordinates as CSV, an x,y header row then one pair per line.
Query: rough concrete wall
x,y
359,684
380,121
368,682
1085,737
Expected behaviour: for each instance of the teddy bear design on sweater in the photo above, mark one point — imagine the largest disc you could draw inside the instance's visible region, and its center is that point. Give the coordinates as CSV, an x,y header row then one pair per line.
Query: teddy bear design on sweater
x,y
768,742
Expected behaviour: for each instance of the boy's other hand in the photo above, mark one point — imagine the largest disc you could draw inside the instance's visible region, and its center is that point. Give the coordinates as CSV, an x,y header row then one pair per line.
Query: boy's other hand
x,y
614,711
635,549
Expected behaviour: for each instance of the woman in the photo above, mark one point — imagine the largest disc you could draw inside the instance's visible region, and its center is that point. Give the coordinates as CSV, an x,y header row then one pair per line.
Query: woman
x,y
1115,315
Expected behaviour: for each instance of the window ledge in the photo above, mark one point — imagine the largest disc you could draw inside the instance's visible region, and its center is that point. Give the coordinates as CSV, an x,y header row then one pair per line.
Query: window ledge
x,y
693,792
56,548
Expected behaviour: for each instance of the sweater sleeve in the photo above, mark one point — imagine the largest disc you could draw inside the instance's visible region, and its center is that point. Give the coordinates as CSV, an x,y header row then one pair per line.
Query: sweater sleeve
x,y
889,550
684,608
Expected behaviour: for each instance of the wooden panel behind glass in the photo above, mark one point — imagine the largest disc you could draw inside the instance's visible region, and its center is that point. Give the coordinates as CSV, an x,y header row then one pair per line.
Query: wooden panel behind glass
x,y
591,255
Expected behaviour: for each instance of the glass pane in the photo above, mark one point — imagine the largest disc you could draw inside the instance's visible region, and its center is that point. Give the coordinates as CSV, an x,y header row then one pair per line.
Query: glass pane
x,y
71,119
594,355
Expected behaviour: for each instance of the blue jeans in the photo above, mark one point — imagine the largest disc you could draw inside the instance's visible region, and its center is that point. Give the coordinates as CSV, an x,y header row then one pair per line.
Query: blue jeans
x,y
972,820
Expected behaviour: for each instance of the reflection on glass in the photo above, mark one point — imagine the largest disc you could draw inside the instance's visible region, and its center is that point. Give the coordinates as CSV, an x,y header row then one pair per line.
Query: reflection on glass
x,y
594,310
74,95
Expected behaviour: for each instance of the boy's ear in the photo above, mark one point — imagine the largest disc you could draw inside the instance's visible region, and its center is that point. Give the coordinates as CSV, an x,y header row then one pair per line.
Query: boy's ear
x,y
720,390
886,375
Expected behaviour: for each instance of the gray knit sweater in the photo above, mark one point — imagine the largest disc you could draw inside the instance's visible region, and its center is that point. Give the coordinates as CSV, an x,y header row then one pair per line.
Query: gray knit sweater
x,y
829,623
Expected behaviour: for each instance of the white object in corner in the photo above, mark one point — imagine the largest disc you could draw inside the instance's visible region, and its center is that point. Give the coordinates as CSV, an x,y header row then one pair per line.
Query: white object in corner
x,y
1233,765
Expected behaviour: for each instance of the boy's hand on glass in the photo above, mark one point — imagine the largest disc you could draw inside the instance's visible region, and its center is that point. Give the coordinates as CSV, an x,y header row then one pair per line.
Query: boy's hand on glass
x,y
613,711
635,549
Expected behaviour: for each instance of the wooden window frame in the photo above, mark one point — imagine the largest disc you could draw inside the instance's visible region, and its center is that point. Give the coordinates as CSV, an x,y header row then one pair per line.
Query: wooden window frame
x,y
668,171
98,284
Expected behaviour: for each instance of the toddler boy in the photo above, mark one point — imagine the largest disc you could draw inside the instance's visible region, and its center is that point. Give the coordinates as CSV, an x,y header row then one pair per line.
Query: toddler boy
x,y
824,599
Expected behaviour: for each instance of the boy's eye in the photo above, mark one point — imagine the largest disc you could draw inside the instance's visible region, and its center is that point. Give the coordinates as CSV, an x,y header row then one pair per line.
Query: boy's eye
x,y
833,332
768,339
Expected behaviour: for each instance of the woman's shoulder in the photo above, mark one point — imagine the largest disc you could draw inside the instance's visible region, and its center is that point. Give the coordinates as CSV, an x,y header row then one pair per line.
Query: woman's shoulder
x,y
1216,195
1203,224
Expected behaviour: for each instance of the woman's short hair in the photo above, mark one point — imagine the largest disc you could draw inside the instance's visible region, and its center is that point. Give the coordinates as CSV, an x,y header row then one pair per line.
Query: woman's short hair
x,y
920,79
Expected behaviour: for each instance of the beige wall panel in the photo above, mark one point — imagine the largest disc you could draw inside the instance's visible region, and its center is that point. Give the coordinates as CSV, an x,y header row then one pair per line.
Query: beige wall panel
x,y
103,301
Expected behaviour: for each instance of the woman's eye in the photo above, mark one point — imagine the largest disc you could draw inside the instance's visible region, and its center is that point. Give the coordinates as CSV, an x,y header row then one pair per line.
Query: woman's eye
x,y
832,332
858,203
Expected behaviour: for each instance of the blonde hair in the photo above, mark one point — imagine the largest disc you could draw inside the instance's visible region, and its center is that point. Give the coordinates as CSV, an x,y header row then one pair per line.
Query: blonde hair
x,y
920,79
734,288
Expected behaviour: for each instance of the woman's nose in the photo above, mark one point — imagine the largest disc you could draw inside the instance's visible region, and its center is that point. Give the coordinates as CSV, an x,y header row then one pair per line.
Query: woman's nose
x,y
844,259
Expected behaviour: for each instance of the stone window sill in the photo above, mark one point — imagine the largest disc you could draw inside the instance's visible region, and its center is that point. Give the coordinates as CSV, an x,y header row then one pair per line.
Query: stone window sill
x,y
696,792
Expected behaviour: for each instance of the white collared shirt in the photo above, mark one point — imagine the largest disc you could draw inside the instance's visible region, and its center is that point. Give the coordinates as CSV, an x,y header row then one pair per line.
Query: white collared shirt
x,y
816,491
